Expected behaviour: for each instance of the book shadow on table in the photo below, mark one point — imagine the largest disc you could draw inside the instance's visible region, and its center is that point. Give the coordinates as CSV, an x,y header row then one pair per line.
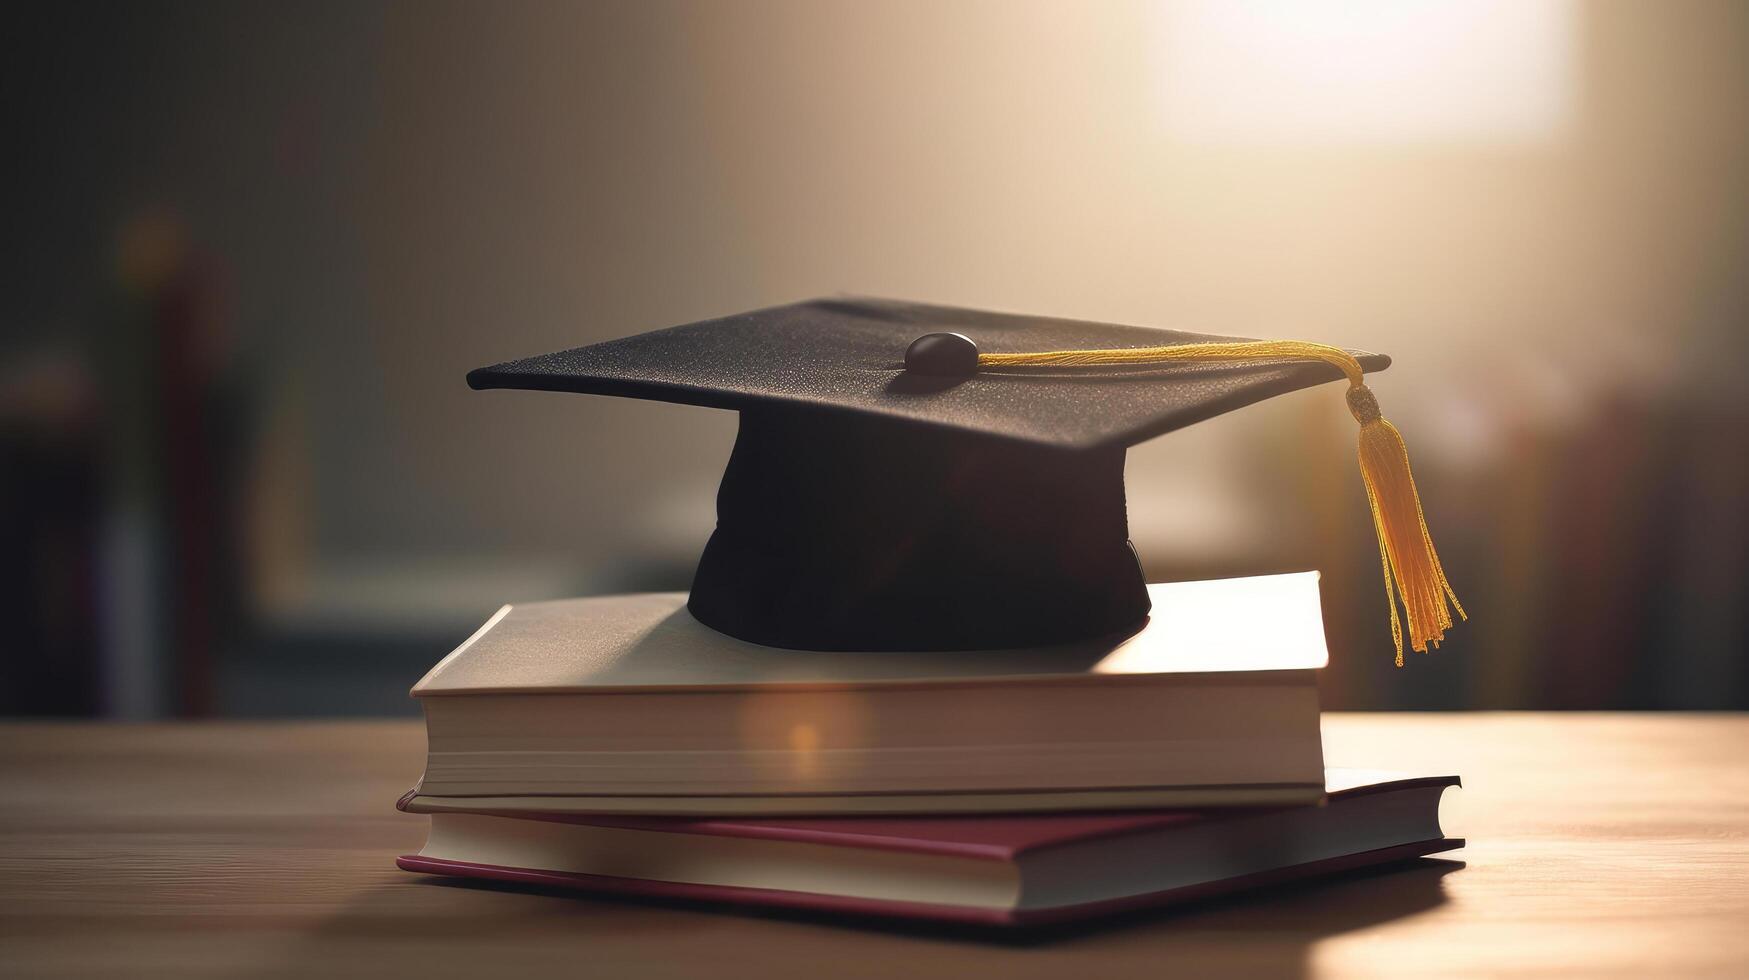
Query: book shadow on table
x,y
1269,932
1306,911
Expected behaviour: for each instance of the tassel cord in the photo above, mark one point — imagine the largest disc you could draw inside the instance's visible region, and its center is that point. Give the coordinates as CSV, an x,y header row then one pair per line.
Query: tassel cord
x,y
1410,564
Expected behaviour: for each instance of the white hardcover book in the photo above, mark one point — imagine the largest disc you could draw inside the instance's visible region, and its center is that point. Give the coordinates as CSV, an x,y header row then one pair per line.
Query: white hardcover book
x,y
626,704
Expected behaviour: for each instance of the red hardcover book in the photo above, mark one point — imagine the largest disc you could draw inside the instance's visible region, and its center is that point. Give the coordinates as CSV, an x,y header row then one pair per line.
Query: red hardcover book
x,y
990,870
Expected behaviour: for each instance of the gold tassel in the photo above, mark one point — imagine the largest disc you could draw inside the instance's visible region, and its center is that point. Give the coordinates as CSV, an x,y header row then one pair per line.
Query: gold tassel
x,y
1405,546
1411,565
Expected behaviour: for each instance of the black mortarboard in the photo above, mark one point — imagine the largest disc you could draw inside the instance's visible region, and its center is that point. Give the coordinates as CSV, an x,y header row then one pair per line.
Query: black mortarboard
x,y
867,506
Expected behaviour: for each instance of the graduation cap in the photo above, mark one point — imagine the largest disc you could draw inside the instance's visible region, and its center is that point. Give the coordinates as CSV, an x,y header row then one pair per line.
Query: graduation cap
x,y
917,477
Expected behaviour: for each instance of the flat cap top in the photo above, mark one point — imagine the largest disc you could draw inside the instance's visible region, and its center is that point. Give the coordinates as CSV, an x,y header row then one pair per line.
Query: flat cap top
x,y
847,355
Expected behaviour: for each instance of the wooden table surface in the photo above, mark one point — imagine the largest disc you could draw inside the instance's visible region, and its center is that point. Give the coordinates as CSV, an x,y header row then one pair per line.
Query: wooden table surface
x,y
1600,845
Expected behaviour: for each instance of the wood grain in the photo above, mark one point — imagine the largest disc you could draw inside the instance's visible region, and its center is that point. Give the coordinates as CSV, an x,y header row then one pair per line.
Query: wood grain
x,y
1602,845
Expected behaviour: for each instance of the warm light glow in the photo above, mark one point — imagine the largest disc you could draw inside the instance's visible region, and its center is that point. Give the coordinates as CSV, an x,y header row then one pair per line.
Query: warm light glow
x,y
1297,71
1265,622
804,741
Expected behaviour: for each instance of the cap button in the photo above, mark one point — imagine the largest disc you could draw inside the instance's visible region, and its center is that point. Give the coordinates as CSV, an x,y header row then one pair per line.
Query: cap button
x,y
949,354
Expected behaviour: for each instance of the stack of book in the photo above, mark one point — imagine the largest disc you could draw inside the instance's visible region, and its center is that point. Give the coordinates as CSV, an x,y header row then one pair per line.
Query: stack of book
x,y
617,745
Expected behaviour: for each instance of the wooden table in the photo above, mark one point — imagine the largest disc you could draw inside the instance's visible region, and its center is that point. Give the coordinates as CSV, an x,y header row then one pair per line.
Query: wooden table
x,y
1600,845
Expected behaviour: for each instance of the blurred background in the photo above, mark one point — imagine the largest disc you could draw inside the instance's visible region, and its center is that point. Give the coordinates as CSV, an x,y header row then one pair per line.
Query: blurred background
x,y
252,249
